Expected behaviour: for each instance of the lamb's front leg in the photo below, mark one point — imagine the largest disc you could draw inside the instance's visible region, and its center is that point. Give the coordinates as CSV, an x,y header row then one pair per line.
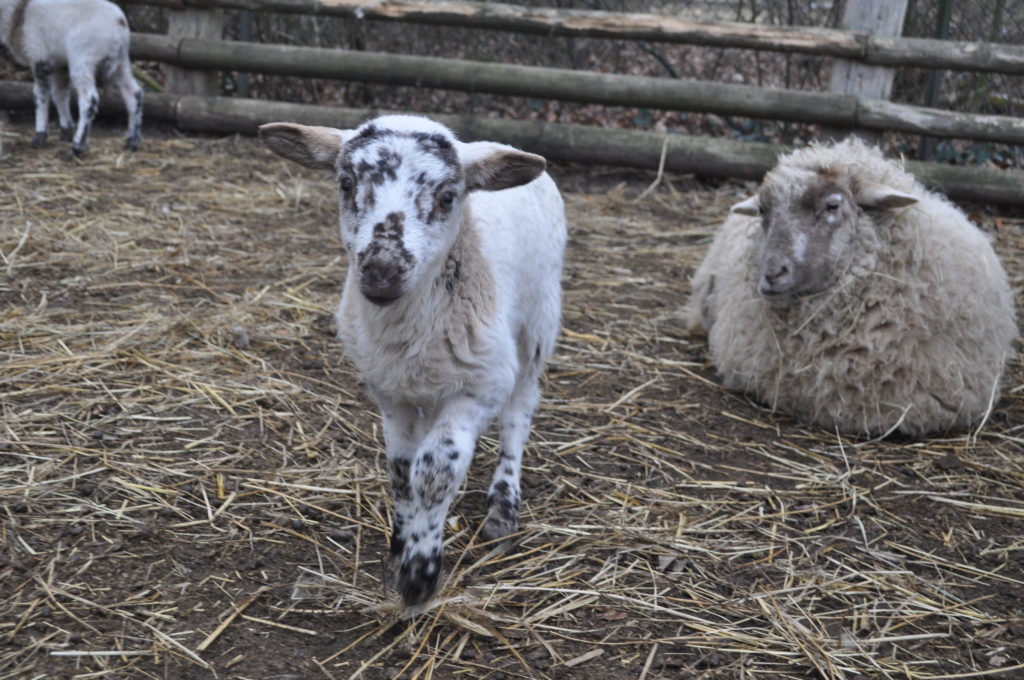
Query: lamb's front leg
x,y
42,85
437,472
400,425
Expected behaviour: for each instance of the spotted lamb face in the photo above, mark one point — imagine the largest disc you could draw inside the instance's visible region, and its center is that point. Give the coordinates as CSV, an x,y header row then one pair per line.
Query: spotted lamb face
x,y
402,182
401,193
809,221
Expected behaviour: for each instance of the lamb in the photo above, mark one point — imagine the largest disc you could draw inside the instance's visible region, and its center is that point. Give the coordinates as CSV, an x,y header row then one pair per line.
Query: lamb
x,y
450,308
79,43
847,294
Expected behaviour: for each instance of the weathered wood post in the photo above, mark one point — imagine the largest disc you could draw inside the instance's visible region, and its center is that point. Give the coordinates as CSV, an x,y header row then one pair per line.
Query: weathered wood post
x,y
876,17
245,35
927,146
194,23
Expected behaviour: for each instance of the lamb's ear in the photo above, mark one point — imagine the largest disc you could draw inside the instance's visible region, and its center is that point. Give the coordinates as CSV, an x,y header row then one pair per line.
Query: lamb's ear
x,y
874,195
750,207
314,147
491,167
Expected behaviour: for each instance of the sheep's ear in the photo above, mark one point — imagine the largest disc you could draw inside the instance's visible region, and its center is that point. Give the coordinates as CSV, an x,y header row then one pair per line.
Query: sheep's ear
x,y
492,167
751,207
314,147
874,195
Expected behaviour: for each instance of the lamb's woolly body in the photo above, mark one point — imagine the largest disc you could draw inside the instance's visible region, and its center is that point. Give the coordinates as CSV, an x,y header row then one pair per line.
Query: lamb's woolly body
x,y
470,330
913,335
451,306
72,44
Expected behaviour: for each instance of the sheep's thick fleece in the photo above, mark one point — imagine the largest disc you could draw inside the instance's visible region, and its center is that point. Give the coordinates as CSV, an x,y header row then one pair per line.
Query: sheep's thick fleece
x,y
911,336
451,306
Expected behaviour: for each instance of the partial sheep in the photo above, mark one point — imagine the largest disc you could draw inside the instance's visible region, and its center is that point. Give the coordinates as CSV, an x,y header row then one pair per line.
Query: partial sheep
x,y
847,294
72,44
451,306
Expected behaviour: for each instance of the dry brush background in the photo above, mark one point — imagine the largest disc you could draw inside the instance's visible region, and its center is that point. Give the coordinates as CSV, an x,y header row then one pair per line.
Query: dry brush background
x,y
191,476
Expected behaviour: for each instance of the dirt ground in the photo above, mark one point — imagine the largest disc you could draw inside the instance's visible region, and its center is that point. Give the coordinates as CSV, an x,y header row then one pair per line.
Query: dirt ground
x,y
191,474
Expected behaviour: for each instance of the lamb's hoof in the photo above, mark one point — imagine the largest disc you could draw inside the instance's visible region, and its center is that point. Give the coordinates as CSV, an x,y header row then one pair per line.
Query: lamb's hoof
x,y
497,527
67,134
418,579
131,144
502,515
78,151
39,141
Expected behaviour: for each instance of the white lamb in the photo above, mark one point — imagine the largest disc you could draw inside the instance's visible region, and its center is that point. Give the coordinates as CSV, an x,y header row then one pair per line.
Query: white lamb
x,y
451,306
847,294
72,43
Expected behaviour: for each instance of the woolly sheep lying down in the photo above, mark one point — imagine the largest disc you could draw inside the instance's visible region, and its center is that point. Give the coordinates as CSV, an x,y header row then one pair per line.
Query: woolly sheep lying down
x,y
72,43
451,306
847,294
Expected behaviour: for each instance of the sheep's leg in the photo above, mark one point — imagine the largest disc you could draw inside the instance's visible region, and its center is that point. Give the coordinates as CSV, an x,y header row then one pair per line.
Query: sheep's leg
x,y
400,442
84,78
42,82
62,99
132,95
437,472
504,495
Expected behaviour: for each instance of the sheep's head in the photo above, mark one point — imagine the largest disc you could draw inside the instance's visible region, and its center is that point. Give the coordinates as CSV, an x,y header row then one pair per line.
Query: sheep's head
x,y
402,182
809,220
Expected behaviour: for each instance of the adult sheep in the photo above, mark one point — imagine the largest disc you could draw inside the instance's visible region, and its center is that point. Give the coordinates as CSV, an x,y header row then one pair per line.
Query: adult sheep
x,y
451,306
847,294
72,44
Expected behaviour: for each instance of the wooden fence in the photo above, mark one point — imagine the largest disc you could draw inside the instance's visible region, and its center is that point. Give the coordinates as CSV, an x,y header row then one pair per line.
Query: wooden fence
x,y
708,156
858,45
580,86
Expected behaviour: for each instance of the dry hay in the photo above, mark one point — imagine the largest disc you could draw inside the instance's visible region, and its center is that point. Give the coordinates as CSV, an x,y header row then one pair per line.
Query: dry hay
x,y
191,474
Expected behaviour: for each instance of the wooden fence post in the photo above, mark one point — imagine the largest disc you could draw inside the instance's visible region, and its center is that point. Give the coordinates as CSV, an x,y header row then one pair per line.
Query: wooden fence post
x,y
927,146
194,23
878,18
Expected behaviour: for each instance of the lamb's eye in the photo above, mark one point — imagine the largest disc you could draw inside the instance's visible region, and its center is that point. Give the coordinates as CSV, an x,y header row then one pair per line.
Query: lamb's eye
x,y
446,199
832,206
347,184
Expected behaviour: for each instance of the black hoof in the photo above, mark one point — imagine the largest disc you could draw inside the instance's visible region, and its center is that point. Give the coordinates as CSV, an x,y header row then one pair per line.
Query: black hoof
x,y
497,528
418,579
67,134
502,516
78,151
39,141
131,144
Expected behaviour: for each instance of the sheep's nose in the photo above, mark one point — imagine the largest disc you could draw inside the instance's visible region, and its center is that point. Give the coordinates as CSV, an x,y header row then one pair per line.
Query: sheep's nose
x,y
380,282
776,276
385,264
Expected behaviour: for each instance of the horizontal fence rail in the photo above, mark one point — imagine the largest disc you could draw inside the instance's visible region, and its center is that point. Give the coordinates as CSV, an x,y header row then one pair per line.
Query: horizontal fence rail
x,y
705,156
855,45
579,86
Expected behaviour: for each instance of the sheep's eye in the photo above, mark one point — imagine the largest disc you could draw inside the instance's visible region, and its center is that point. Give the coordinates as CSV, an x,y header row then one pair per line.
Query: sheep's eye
x,y
832,206
446,199
347,184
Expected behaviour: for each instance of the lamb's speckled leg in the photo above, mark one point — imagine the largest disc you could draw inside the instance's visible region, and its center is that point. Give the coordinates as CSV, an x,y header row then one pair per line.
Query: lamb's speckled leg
x,y
62,100
437,472
132,95
504,495
84,77
42,84
399,422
